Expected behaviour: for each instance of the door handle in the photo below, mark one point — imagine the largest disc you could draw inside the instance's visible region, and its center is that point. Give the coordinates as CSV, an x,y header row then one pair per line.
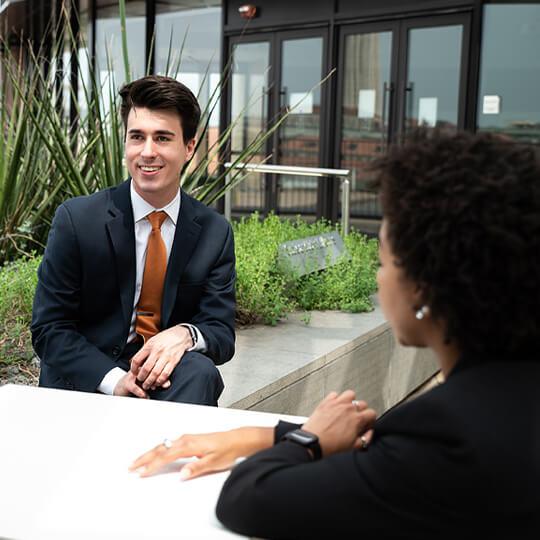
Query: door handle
x,y
282,96
407,92
388,89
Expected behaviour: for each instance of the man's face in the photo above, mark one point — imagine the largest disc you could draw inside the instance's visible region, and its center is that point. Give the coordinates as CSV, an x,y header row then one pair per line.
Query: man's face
x,y
155,153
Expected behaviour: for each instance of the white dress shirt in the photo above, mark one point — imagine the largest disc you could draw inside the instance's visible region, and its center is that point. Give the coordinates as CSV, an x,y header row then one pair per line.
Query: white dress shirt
x,y
142,231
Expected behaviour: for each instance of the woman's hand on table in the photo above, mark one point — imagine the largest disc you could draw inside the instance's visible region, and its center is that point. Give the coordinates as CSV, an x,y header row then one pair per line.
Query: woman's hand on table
x,y
340,423
216,451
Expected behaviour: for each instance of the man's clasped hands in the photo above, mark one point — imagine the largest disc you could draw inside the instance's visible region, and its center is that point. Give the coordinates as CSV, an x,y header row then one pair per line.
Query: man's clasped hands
x,y
340,422
153,364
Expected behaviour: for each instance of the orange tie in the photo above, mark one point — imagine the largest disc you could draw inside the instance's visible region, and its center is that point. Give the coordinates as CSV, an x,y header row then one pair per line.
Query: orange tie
x,y
148,321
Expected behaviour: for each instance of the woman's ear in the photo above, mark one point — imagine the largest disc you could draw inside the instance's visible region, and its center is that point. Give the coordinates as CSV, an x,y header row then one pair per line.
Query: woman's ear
x,y
419,298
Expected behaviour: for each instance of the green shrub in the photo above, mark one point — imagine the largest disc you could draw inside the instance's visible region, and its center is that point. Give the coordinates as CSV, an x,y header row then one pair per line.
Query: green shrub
x,y
262,292
17,285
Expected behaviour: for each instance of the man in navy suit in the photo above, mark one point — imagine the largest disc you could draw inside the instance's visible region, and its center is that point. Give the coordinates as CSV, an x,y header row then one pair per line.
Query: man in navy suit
x,y
85,307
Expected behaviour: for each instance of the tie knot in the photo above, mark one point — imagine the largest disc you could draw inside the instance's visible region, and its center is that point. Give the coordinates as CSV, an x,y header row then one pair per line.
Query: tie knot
x,y
157,219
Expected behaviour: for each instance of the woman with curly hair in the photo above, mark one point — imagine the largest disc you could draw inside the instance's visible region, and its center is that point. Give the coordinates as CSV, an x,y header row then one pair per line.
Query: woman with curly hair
x,y
459,273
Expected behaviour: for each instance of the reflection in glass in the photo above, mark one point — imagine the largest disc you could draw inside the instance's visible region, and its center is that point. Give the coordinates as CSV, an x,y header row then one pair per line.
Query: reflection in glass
x,y
83,81
510,71
187,46
249,111
109,45
366,97
433,77
299,134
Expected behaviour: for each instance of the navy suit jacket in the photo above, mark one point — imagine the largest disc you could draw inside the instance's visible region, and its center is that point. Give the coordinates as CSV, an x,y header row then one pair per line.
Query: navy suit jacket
x,y
84,298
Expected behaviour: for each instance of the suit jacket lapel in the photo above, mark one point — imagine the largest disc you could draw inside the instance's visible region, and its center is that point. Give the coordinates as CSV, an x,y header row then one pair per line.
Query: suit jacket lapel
x,y
186,237
122,234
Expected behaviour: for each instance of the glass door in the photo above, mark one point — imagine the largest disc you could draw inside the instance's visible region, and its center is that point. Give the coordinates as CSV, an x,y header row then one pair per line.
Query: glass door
x,y
249,117
367,92
298,138
433,56
273,74
395,77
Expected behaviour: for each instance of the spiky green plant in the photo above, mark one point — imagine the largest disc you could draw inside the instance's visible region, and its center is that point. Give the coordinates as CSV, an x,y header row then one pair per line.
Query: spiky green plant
x,y
27,168
44,160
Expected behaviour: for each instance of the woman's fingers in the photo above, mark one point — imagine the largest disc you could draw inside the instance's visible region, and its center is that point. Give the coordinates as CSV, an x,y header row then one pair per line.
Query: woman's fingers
x,y
216,451
161,455
205,465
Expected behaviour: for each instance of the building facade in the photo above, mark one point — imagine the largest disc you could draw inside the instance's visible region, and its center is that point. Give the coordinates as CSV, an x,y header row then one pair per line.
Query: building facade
x,y
387,66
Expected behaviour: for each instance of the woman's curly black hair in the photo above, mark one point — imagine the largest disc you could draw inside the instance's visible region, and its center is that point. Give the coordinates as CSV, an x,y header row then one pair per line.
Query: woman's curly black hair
x,y
463,220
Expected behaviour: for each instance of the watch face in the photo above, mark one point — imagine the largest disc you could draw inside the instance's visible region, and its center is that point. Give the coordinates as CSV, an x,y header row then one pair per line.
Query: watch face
x,y
304,437
307,440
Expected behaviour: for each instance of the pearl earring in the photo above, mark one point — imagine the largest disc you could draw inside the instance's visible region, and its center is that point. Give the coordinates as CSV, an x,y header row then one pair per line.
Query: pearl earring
x,y
422,312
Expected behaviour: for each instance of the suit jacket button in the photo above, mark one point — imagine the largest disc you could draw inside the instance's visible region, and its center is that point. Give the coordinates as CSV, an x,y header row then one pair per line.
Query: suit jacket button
x,y
116,351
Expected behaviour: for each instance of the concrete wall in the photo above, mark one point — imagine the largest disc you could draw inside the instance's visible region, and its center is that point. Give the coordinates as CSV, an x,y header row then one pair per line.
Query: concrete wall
x,y
289,369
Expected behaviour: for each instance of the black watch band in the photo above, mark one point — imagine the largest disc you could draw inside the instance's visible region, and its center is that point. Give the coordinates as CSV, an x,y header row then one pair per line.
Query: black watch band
x,y
192,333
306,439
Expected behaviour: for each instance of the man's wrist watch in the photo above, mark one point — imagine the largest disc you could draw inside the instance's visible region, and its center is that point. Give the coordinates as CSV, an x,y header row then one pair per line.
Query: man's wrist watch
x,y
192,333
306,439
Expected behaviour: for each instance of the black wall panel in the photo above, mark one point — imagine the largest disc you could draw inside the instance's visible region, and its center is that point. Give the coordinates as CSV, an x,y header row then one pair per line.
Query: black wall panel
x,y
369,8
278,13
283,13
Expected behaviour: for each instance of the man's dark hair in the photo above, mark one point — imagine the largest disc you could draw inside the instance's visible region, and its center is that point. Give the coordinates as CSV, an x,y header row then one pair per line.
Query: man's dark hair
x,y
155,92
463,215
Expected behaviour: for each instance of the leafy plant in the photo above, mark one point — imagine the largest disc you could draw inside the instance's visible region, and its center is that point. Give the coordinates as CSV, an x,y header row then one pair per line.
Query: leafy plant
x,y
44,160
26,166
18,281
264,292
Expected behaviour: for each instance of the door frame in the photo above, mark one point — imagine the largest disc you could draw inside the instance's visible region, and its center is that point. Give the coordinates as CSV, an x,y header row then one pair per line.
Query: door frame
x,y
275,39
398,69
431,21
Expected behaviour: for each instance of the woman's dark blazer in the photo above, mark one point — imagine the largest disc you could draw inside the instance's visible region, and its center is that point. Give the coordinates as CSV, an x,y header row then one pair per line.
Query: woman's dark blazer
x,y
462,460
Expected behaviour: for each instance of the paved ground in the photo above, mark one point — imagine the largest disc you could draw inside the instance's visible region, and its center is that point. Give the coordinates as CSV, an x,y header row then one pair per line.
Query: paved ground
x,y
20,373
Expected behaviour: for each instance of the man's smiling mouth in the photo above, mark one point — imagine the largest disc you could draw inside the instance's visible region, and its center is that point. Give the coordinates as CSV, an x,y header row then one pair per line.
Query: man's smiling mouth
x,y
147,168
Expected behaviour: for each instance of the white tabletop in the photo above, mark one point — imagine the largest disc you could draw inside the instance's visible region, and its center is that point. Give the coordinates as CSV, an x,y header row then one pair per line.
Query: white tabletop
x,y
64,458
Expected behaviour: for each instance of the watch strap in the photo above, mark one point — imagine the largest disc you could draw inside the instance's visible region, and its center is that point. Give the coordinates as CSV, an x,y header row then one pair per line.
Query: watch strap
x,y
306,439
192,333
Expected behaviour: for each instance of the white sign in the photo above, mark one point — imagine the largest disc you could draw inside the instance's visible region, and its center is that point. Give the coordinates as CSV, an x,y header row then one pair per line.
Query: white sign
x,y
366,103
302,102
491,105
427,111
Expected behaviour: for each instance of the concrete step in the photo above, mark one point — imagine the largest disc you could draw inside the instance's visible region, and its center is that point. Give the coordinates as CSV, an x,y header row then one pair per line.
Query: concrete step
x,y
289,368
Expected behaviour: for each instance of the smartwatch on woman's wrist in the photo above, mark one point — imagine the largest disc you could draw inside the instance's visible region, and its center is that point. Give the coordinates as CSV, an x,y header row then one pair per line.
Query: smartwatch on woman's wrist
x,y
306,439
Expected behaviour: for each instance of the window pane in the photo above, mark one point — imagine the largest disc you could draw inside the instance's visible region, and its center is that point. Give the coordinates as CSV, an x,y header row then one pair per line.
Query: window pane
x,y
366,91
434,66
510,72
109,41
301,70
187,47
83,83
249,114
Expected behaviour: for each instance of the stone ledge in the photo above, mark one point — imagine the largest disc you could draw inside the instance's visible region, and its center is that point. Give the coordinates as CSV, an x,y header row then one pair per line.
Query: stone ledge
x,y
290,367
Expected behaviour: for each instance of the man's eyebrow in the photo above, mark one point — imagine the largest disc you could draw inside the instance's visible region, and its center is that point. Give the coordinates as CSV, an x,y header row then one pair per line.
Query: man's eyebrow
x,y
158,132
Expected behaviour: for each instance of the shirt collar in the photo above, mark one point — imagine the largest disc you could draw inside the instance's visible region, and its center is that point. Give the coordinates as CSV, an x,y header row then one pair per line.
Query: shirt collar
x,y
141,208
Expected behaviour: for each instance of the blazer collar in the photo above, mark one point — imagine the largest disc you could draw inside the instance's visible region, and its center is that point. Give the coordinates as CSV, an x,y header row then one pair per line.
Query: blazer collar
x,y
121,231
186,238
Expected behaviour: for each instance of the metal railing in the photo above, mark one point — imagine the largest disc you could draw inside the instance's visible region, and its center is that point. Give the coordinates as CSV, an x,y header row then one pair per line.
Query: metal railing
x,y
347,178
